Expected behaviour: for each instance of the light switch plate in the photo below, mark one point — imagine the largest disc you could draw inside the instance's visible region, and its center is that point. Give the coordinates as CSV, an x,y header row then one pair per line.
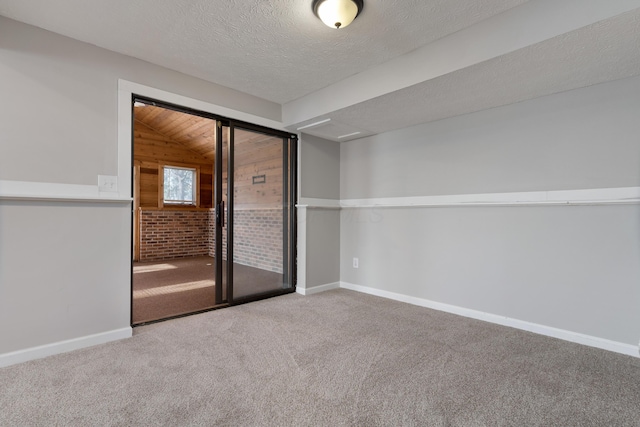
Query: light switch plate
x,y
108,183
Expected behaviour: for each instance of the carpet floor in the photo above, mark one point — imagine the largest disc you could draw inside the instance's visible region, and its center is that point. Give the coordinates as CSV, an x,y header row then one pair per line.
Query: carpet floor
x,y
337,358
174,287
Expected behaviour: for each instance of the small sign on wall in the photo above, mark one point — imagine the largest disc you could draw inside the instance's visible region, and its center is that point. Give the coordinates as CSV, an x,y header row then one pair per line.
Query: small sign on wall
x,y
259,179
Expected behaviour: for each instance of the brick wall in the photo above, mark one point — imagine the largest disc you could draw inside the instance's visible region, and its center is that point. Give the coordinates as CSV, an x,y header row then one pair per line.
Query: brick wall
x,y
211,229
166,234
257,238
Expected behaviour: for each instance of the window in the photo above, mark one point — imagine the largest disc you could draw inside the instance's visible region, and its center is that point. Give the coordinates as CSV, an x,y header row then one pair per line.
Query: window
x,y
179,185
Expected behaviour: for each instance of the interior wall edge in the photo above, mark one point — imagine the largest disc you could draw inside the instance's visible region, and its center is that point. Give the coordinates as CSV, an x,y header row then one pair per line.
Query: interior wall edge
x,y
574,337
41,351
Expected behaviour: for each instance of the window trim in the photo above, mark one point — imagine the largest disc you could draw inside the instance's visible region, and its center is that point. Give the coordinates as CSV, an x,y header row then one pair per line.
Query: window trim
x,y
196,187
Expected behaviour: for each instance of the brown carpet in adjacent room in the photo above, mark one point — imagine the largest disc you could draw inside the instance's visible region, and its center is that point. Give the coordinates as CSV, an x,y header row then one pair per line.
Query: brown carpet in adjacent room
x,y
173,287
337,358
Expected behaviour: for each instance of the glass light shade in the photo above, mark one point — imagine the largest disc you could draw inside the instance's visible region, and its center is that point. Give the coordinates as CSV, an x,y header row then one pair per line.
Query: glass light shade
x,y
337,13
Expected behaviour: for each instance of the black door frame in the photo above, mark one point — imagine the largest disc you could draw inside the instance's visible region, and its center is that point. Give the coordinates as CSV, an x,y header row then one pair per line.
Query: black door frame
x,y
289,235
290,164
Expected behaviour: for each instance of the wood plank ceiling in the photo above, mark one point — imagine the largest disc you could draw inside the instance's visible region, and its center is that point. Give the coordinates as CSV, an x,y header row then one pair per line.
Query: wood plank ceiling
x,y
196,133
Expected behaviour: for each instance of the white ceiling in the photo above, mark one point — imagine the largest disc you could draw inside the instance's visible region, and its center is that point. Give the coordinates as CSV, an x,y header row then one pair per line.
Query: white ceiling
x,y
402,62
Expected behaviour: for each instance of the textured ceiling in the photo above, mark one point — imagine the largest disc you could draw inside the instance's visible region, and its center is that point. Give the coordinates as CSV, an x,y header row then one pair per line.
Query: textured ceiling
x,y
412,61
274,49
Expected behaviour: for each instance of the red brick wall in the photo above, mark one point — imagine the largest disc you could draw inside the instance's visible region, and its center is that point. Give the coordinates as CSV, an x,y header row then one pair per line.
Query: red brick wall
x,y
166,234
257,238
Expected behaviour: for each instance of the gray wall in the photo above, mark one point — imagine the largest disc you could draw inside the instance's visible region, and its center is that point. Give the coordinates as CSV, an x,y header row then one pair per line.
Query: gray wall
x,y
579,139
65,266
64,271
575,268
320,178
323,247
320,170
59,104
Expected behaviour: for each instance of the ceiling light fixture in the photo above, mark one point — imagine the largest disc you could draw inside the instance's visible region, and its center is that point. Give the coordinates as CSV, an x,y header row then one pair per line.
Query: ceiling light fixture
x,y
337,13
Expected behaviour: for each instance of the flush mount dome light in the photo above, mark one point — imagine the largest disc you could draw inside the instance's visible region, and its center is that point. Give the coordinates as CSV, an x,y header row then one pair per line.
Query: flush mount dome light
x,y
337,13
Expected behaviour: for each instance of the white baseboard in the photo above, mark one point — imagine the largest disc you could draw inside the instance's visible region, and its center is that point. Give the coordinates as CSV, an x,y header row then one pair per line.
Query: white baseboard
x,y
316,289
591,341
39,352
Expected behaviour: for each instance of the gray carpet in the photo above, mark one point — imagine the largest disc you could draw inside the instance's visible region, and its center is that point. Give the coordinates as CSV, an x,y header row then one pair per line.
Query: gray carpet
x,y
338,358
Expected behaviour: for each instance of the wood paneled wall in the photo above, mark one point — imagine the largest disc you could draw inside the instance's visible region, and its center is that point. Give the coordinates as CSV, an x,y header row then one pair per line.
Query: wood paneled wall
x,y
151,150
257,155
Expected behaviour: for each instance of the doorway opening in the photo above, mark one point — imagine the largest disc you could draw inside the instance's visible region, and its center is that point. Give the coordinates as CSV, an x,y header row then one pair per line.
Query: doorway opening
x,y
213,211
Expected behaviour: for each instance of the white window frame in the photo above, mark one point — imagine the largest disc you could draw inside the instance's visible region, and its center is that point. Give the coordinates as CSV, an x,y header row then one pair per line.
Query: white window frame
x,y
196,185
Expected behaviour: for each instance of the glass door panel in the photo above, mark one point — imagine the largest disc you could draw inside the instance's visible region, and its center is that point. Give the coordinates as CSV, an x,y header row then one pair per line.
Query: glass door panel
x,y
174,269
260,213
254,193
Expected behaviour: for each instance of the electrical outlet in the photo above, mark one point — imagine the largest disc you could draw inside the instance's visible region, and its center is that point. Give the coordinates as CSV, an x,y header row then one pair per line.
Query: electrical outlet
x,y
108,183
355,263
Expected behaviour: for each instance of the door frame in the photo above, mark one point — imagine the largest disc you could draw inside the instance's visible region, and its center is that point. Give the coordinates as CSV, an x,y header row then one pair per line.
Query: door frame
x,y
289,194
290,163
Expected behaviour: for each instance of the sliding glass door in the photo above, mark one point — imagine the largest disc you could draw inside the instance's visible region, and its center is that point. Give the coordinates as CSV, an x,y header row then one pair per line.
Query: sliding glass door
x,y
213,213
255,195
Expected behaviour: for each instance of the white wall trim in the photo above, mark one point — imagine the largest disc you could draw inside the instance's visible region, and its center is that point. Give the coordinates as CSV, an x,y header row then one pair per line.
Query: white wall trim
x,y
549,331
594,196
317,289
311,202
597,196
39,352
47,191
